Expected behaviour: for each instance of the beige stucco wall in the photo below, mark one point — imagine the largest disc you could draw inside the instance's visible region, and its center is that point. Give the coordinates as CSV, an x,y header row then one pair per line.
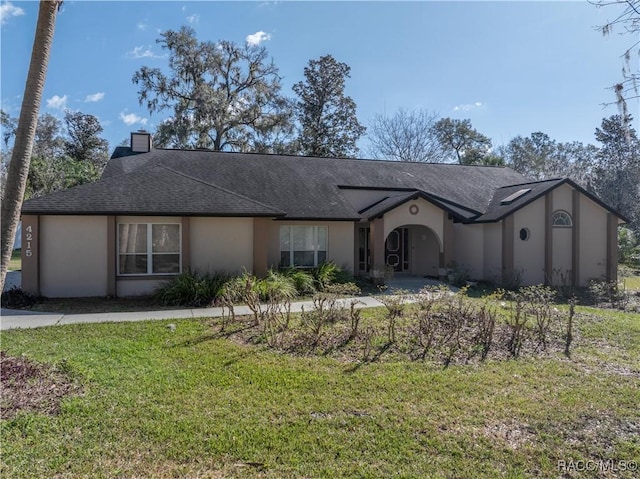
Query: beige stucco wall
x,y
561,198
561,238
593,241
428,215
73,256
221,244
339,243
424,255
529,255
468,244
492,252
137,287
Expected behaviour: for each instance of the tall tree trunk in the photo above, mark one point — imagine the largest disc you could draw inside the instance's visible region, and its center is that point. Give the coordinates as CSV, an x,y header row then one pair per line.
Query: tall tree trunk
x,y
26,132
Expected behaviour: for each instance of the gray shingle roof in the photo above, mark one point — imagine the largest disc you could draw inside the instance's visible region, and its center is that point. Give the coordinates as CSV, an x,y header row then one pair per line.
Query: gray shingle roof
x,y
309,188
155,190
205,183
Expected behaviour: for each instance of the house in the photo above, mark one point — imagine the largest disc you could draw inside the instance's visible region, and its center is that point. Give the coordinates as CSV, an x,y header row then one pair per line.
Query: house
x,y
157,212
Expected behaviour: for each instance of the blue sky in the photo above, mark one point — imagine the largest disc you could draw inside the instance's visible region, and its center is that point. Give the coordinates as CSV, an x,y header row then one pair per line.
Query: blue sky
x,y
512,68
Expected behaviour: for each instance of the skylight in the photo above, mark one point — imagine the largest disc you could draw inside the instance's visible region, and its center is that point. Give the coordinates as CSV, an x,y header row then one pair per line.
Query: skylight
x,y
518,194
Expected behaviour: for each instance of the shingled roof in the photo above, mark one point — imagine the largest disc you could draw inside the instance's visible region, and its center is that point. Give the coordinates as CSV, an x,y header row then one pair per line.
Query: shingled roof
x,y
206,183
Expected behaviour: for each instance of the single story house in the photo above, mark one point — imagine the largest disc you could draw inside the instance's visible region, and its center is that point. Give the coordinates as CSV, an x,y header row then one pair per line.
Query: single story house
x,y
157,212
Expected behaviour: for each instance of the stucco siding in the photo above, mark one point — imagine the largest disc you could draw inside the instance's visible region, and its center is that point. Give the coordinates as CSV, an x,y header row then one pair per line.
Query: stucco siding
x,y
529,253
561,239
137,287
221,244
593,241
492,252
340,241
73,256
561,198
425,252
428,215
468,243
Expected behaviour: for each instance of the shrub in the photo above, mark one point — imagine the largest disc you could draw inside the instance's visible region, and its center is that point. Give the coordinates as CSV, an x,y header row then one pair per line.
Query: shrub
x,y
276,286
191,289
17,298
330,273
457,275
303,281
611,292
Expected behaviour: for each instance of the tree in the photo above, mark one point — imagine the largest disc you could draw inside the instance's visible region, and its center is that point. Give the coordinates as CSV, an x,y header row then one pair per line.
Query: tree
x,y
406,136
629,20
457,137
539,157
63,155
26,130
617,171
83,142
329,126
222,95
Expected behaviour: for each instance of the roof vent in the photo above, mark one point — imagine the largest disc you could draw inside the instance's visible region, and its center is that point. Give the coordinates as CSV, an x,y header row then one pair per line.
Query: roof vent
x,y
141,141
518,194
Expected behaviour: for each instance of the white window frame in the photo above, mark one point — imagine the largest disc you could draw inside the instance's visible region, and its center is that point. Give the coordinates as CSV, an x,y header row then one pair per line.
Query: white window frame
x,y
150,252
316,245
561,213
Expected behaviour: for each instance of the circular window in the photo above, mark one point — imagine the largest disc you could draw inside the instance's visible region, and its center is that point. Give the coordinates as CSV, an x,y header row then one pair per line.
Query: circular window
x,y
413,209
525,234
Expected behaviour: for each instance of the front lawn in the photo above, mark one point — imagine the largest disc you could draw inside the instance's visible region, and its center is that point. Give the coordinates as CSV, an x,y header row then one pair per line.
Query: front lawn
x,y
15,264
181,399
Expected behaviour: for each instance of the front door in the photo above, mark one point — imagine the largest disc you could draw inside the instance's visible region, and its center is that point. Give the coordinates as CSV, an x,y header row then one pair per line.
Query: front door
x,y
396,250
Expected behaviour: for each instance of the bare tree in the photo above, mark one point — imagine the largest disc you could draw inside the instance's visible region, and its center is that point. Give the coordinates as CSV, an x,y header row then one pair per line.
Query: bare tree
x,y
629,22
26,131
406,136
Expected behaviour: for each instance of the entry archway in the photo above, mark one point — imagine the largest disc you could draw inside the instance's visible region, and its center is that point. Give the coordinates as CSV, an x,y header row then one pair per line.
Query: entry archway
x,y
413,249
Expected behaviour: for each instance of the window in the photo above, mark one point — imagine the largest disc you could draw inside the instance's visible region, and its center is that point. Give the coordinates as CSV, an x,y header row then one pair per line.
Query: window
x,y
303,246
525,234
148,249
561,219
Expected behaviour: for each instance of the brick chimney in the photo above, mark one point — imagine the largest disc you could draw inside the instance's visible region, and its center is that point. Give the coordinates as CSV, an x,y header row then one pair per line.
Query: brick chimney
x,y
140,141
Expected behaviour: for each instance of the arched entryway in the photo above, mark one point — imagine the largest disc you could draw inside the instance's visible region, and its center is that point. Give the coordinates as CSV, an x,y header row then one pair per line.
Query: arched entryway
x,y
413,249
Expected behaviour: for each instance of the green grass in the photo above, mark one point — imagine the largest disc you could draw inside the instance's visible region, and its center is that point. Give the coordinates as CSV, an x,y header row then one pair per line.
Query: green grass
x,y
632,283
193,403
15,264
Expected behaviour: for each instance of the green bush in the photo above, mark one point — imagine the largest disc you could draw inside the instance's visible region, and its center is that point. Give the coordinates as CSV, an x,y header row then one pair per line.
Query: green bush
x,y
191,289
276,286
329,273
303,281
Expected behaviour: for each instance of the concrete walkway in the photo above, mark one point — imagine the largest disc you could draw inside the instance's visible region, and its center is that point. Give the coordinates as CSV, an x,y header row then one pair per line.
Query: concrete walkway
x,y
11,318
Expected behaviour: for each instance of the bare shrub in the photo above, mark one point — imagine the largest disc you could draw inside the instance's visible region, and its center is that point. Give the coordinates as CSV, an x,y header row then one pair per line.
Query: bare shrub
x,y
395,304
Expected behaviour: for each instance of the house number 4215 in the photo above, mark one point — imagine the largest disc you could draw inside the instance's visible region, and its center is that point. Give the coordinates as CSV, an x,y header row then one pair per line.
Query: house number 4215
x,y
28,238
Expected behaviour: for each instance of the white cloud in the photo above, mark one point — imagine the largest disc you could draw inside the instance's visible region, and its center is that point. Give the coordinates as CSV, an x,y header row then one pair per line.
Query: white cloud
x,y
193,18
8,10
142,26
468,106
57,102
142,52
257,38
95,97
131,119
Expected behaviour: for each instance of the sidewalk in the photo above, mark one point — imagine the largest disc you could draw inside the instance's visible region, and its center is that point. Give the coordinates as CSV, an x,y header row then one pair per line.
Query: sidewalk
x,y
12,319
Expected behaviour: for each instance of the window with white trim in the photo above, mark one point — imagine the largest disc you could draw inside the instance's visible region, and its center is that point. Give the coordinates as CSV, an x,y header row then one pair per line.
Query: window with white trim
x,y
149,249
561,219
303,246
